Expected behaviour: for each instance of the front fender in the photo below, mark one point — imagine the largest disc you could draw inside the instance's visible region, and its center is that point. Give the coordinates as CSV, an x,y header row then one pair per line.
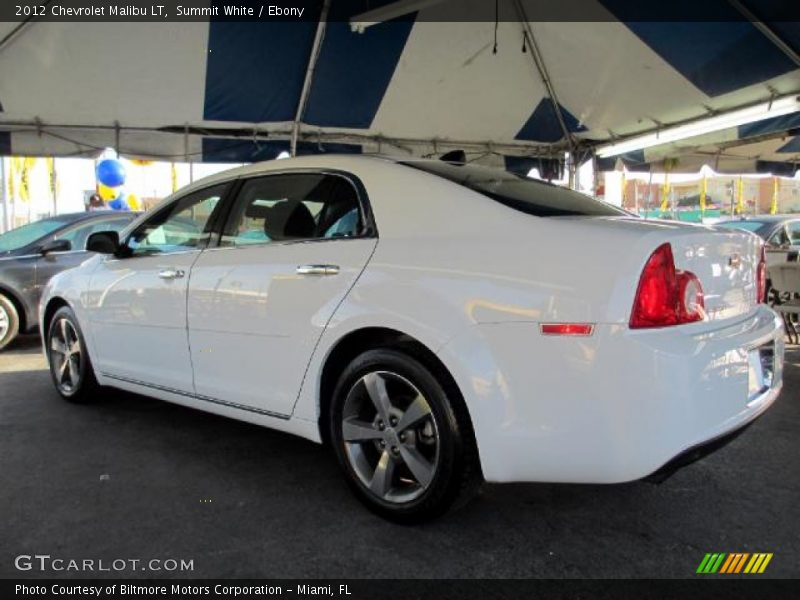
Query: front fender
x,y
71,287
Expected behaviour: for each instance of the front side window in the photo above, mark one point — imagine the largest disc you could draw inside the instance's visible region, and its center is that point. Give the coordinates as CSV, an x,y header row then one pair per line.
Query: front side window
x,y
291,207
184,225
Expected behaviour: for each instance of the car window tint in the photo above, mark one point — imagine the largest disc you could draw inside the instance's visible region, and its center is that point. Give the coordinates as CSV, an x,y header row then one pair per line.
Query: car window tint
x,y
183,225
794,232
520,193
297,206
779,238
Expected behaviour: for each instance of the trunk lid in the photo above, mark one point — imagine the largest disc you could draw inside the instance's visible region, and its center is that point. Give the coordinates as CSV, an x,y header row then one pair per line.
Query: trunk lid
x,y
726,264
725,261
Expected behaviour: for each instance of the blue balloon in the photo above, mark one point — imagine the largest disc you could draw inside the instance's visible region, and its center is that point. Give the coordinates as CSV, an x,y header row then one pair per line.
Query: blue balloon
x,y
120,203
110,172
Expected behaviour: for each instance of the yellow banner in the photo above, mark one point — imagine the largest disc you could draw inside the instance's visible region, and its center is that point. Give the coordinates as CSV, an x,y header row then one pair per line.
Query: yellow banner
x,y
703,194
174,175
740,196
773,207
665,194
21,169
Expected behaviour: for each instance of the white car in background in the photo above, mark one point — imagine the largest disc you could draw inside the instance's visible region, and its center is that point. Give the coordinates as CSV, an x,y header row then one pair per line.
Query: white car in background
x,y
438,324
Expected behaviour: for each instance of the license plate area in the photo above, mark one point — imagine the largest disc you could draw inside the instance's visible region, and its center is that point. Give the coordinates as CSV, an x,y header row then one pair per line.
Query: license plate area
x,y
763,371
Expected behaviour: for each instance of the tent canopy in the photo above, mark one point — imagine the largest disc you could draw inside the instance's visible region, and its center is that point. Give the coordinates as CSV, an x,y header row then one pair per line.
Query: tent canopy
x,y
420,85
767,146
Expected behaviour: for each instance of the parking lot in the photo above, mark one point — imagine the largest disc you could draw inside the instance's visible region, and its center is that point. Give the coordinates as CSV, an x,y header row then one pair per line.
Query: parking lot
x,y
136,478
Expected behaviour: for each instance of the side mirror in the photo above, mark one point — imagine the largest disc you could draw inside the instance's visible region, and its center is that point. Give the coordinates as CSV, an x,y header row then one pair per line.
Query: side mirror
x,y
55,246
103,242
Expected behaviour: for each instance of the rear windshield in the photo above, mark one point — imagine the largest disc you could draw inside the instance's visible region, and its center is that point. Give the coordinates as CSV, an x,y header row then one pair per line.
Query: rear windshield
x,y
746,225
526,195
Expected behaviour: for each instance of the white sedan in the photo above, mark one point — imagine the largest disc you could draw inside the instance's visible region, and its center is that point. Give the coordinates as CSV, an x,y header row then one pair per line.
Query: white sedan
x,y
437,324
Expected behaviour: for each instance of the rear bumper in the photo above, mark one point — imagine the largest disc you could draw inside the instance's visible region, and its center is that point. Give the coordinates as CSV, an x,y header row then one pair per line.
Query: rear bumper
x,y
694,454
617,406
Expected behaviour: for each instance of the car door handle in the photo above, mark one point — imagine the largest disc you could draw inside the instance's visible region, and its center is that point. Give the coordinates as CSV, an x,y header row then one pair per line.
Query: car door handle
x,y
171,274
317,270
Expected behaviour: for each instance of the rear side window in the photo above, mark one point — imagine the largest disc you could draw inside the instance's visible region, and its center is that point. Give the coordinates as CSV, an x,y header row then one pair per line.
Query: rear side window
x,y
293,206
520,193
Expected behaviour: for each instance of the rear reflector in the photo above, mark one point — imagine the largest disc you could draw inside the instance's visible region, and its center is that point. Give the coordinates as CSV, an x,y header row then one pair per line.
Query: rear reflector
x,y
761,277
567,328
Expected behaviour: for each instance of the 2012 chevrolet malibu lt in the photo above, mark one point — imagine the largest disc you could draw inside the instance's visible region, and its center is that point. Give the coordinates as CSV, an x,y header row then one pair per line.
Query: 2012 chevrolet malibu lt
x,y
438,324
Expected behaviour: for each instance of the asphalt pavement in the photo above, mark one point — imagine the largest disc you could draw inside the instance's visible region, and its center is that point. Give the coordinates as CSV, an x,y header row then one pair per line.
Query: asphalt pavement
x,y
135,478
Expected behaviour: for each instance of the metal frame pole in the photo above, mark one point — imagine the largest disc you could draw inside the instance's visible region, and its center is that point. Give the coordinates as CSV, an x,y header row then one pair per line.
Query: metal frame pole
x,y
767,31
4,195
309,77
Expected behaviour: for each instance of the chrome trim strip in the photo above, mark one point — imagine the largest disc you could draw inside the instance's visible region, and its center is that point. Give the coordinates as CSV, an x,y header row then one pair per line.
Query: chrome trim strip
x,y
39,255
227,403
286,243
111,258
21,256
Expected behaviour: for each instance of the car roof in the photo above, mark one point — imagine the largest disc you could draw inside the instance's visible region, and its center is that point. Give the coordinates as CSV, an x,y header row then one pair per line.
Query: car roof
x,y
314,161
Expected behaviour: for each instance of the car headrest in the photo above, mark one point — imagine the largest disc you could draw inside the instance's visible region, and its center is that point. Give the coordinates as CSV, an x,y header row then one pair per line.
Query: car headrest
x,y
257,211
289,219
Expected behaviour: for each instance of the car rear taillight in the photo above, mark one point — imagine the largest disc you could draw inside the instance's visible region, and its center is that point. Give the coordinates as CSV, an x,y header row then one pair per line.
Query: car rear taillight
x,y
761,277
666,296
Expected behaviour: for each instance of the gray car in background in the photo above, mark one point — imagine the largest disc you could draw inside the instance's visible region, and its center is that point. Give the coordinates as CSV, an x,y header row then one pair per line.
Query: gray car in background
x,y
30,255
780,232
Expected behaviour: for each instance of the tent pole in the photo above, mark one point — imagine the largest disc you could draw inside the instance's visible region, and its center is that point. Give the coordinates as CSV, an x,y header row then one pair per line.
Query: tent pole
x,y
767,31
4,195
54,184
538,60
7,38
186,152
568,166
309,78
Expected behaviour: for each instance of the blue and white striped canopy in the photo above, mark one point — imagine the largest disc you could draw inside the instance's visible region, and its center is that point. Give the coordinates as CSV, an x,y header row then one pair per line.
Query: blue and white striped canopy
x,y
230,91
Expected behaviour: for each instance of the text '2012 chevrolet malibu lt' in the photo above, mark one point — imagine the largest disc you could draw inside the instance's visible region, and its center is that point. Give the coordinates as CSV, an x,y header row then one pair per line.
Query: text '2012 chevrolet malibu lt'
x,y
437,324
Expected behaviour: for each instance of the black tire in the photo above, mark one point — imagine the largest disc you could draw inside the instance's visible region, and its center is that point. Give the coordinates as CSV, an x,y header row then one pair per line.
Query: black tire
x,y
9,322
454,475
75,382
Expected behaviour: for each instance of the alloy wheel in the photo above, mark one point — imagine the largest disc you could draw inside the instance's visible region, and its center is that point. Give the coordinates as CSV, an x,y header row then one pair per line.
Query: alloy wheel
x,y
391,436
5,322
65,346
